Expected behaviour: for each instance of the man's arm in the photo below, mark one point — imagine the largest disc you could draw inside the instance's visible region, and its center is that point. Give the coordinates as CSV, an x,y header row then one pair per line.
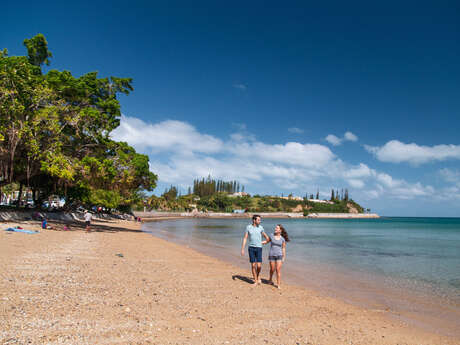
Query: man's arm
x,y
244,243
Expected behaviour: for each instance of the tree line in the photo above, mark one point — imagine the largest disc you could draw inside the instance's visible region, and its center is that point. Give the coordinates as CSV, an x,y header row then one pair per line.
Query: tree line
x,y
55,133
335,195
206,187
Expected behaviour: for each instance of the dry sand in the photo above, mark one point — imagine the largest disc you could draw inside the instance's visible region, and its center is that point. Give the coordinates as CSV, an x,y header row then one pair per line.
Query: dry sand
x,y
121,286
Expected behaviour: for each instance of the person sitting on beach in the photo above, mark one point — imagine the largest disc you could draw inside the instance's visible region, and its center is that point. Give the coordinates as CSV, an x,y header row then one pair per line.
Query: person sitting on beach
x,y
254,231
45,224
277,253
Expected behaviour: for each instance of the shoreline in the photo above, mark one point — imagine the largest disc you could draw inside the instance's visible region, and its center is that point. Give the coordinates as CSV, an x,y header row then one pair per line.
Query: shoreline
x,y
70,287
148,216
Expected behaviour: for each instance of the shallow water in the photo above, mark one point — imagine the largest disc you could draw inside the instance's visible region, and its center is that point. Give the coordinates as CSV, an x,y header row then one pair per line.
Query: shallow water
x,y
408,266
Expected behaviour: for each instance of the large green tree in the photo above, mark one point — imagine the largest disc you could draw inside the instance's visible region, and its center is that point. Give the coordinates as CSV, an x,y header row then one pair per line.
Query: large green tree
x,y
55,132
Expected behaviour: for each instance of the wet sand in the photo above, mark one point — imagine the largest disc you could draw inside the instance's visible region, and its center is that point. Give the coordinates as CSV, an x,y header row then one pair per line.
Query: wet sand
x,y
119,285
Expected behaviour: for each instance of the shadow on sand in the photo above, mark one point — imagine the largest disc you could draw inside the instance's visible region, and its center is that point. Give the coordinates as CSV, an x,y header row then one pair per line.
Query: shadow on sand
x,y
58,225
248,279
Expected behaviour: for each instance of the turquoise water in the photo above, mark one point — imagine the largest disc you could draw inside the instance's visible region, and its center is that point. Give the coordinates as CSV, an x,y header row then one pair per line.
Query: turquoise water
x,y
388,262
425,249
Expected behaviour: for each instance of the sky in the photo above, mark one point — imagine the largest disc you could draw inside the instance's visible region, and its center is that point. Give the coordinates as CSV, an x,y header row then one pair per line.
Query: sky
x,y
285,97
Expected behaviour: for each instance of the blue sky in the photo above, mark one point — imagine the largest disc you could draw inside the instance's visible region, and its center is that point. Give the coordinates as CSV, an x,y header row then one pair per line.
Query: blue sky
x,y
284,97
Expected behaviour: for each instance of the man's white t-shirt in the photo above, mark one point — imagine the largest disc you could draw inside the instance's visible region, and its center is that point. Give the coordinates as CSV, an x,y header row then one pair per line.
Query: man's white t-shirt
x,y
88,217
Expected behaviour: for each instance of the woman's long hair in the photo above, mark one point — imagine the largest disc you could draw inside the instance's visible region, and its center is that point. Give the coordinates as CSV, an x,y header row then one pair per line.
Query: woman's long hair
x,y
284,233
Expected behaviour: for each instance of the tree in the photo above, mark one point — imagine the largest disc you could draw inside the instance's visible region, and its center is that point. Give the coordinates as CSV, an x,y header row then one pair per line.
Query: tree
x,y
25,104
55,132
332,195
37,50
170,194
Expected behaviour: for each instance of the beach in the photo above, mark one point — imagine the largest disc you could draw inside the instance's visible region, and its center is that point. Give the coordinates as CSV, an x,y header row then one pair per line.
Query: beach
x,y
120,285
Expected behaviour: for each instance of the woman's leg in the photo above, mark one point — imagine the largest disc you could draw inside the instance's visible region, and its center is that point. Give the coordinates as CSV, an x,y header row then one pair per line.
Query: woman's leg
x,y
279,263
272,270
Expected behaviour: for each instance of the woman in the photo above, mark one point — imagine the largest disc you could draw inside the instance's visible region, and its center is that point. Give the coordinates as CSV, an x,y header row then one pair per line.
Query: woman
x,y
277,253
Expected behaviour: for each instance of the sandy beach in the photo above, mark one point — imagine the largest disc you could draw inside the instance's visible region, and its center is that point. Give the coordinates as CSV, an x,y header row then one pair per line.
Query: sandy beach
x,y
118,285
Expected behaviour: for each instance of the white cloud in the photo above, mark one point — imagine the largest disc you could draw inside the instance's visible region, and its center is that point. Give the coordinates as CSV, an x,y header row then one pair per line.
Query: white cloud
x,y
375,184
401,190
350,136
179,153
362,170
395,151
182,170
451,176
356,183
240,86
386,180
291,153
334,140
167,135
295,130
240,126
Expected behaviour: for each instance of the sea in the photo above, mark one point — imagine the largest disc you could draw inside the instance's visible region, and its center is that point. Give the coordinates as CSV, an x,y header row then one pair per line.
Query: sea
x,y
407,268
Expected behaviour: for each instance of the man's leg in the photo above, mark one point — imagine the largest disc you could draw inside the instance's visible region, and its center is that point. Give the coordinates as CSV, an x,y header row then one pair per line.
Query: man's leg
x,y
259,267
254,271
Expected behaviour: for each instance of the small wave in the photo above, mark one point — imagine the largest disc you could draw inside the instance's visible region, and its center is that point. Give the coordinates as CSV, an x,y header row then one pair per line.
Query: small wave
x,y
455,282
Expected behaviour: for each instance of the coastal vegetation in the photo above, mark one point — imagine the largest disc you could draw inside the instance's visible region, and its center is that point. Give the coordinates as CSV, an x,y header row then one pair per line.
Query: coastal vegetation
x,y
55,134
207,197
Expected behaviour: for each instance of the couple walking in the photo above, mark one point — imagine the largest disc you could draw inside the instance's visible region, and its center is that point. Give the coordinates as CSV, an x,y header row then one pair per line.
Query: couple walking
x,y
277,254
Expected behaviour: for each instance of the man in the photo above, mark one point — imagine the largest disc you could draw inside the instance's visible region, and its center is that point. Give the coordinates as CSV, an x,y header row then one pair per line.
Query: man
x,y
88,216
254,232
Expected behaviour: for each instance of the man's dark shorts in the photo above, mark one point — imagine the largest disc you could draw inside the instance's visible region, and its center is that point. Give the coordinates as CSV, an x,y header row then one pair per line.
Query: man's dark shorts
x,y
87,223
255,254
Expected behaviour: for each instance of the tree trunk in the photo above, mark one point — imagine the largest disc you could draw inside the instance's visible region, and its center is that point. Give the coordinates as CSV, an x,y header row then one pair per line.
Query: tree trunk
x,y
20,195
34,196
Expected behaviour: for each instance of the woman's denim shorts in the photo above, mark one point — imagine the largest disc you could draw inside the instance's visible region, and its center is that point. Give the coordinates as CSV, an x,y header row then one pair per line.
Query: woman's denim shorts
x,y
275,258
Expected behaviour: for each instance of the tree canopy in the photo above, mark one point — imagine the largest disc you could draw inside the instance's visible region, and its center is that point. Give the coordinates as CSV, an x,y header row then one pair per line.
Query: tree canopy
x,y
55,132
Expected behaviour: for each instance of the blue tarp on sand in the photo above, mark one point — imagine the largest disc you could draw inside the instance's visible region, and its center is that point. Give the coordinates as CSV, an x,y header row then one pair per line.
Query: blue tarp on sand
x,y
22,230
